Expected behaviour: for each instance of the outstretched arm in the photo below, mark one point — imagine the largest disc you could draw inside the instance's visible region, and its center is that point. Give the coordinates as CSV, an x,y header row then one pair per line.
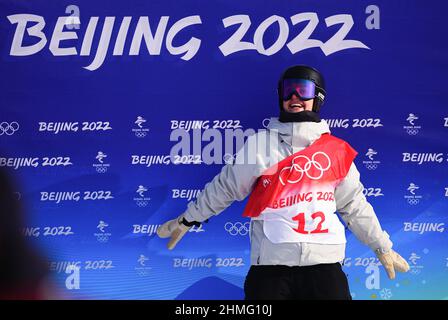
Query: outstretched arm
x,y
361,219
234,182
358,213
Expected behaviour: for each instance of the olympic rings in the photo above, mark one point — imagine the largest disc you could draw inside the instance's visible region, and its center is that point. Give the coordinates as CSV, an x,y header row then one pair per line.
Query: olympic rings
x,y
237,228
310,162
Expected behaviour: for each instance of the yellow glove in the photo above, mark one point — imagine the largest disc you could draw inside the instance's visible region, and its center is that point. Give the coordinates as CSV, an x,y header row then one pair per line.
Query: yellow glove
x,y
175,229
392,262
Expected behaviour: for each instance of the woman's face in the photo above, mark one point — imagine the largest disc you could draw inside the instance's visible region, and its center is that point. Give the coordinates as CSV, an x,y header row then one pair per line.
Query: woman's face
x,y
295,104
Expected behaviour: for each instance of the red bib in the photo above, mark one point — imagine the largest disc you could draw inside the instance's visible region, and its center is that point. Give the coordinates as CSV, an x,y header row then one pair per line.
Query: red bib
x,y
296,196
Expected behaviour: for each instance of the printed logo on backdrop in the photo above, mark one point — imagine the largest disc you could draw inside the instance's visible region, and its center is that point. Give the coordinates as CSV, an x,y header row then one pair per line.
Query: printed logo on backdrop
x,y
338,123
412,129
413,199
140,131
190,263
219,262
88,265
102,236
62,196
373,192
223,137
422,157
197,229
57,127
149,229
415,267
101,166
423,227
17,163
354,123
371,164
9,128
287,39
237,228
188,125
142,268
61,266
189,148
206,141
150,160
446,122
141,200
187,194
446,192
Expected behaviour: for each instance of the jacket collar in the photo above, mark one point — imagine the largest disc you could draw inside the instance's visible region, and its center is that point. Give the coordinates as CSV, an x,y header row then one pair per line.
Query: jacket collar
x,y
299,134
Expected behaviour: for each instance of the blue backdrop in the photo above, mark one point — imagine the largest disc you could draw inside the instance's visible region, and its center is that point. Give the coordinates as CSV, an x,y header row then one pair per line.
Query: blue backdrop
x,y
87,102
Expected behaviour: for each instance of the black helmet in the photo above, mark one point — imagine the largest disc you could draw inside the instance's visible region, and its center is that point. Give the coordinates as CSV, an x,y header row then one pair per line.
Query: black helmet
x,y
304,72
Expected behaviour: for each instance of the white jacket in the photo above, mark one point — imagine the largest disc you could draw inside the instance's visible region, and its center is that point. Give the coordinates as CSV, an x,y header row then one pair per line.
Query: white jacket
x,y
237,180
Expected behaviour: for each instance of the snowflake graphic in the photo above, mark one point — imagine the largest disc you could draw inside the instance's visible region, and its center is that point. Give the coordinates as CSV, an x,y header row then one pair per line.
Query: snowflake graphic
x,y
386,294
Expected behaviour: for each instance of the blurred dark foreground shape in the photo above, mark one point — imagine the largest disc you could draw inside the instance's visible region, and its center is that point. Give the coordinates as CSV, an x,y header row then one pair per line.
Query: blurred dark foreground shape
x,y
23,272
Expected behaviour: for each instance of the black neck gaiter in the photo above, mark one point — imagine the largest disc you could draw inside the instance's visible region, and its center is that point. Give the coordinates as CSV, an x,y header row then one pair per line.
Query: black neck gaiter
x,y
303,116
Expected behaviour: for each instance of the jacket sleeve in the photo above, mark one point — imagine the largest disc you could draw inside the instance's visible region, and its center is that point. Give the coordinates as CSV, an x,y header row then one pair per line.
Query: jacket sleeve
x,y
234,182
358,213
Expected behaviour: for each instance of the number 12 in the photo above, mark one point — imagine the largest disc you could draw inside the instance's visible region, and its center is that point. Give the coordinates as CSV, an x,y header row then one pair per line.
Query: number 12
x,y
300,218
